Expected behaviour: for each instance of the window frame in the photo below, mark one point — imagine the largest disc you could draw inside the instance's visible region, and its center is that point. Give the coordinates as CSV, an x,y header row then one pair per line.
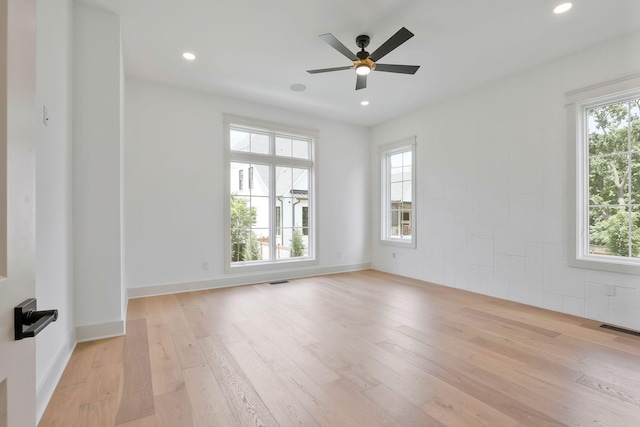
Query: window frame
x,y
577,104
384,151
274,130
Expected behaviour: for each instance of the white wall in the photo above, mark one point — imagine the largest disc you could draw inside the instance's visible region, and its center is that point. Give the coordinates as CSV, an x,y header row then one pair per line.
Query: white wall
x,y
492,189
174,193
54,265
96,172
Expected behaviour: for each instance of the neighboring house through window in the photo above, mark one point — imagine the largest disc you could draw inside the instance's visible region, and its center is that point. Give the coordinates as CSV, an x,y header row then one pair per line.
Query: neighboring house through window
x,y
398,208
271,220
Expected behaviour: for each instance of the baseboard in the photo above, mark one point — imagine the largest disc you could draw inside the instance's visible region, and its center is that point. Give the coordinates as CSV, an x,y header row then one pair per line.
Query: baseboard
x,y
100,331
174,288
52,377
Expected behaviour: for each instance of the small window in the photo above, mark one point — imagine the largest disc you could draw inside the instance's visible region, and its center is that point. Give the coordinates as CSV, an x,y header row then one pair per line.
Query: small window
x,y
241,179
398,193
251,178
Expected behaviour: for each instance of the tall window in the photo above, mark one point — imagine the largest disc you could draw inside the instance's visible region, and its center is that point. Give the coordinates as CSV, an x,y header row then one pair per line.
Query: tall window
x,y
398,193
271,219
613,155
607,135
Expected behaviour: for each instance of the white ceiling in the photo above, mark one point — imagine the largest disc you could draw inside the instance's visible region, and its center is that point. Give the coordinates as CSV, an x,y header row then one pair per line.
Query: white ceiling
x,y
256,49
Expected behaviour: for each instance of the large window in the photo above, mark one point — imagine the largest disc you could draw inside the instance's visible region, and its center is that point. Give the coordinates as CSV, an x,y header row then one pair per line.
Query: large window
x,y
398,225
270,215
607,139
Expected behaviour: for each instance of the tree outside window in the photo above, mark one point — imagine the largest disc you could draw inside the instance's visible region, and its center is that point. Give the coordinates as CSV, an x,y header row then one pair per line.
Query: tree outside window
x,y
613,132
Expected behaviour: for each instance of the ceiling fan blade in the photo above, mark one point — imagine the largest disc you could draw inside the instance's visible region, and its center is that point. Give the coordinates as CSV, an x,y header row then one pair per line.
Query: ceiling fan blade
x,y
392,68
361,82
326,70
396,40
337,45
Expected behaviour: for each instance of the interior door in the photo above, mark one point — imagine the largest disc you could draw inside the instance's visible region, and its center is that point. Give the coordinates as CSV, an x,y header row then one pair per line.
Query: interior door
x,y
17,207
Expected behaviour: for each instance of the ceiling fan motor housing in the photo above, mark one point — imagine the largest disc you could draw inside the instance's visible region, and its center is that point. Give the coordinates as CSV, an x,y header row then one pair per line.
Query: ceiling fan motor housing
x,y
362,41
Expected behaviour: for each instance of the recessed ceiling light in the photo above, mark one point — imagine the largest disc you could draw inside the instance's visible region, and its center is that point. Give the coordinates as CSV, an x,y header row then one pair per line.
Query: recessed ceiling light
x,y
188,56
364,103
562,8
297,87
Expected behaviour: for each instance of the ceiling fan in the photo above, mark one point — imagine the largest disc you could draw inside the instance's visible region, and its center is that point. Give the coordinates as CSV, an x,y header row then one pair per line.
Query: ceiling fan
x,y
363,62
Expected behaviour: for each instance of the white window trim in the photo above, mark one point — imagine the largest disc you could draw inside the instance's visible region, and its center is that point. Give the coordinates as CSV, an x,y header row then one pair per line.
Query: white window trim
x,y
383,151
270,265
577,102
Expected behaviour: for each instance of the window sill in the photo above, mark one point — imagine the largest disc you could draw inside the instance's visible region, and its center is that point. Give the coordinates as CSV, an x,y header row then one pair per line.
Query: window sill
x,y
606,263
241,267
399,243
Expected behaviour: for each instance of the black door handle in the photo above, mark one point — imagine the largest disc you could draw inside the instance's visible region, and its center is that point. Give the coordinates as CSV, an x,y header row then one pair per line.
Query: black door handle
x,y
28,322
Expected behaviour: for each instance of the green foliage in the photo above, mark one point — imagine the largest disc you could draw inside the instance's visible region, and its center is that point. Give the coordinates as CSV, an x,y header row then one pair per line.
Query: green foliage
x,y
252,251
617,233
243,241
297,244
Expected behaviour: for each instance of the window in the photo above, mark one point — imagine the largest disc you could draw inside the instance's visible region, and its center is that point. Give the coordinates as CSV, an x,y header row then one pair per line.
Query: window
x,y
398,193
606,136
271,219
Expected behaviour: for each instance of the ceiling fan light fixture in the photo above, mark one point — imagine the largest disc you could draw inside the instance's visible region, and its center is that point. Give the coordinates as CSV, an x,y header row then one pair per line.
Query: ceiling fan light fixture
x,y
363,69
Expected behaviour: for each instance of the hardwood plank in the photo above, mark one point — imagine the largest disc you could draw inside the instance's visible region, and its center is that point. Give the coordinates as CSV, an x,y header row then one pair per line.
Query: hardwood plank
x,y
108,352
356,374
80,364
64,408
187,349
326,411
631,396
137,391
265,347
198,321
313,367
173,409
149,421
467,408
210,406
401,409
285,408
499,400
172,313
165,367
244,401
363,409
103,383
513,323
101,413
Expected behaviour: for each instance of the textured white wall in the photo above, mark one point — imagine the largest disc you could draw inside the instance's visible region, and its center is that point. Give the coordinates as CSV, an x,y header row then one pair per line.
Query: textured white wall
x,y
492,189
174,193
96,166
54,252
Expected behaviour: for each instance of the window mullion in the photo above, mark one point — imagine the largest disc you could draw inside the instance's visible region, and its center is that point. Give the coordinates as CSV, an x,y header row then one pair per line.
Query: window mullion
x,y
272,199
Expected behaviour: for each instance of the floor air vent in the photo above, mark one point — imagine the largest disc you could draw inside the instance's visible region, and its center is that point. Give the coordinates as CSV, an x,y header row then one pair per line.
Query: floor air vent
x,y
279,282
623,330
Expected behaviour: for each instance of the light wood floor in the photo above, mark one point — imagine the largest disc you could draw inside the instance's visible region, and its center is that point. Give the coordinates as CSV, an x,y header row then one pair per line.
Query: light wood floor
x,y
354,349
